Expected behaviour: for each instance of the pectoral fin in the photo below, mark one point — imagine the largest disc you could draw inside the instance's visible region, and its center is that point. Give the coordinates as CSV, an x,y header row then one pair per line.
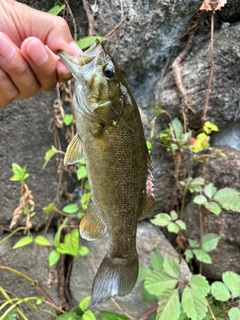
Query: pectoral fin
x,y
74,151
92,225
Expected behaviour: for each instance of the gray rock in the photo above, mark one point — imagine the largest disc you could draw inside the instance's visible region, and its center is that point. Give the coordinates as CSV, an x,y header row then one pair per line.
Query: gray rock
x,y
149,240
31,260
228,136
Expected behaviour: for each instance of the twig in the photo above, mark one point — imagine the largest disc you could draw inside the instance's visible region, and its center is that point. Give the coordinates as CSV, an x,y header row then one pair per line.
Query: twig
x,y
90,16
73,20
210,310
120,309
115,29
148,313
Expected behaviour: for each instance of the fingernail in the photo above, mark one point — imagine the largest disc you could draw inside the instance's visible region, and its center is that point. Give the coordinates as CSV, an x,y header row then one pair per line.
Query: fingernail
x,y
37,53
75,48
7,49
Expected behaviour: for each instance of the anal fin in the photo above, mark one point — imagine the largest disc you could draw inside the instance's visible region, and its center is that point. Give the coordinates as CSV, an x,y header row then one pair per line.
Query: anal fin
x,y
92,225
74,151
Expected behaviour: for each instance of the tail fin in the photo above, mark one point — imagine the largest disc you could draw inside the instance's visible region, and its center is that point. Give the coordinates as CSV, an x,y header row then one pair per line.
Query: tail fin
x,y
115,276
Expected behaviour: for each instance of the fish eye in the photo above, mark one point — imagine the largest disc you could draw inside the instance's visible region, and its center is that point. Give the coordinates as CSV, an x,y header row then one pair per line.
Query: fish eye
x,y
108,71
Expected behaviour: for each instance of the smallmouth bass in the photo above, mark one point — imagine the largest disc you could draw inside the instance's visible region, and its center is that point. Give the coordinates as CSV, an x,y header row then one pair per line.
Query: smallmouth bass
x,y
110,137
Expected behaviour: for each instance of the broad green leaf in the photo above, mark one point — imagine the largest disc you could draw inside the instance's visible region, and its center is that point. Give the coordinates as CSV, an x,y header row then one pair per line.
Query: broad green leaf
x,y
232,281
181,224
81,172
142,273
68,316
67,119
23,242
48,155
173,215
56,9
158,281
234,314
199,284
194,304
70,208
169,306
177,127
193,243
196,184
172,268
210,241
228,198
88,315
88,41
58,234
220,291
83,251
106,315
209,127
53,257
84,303
188,254
213,207
200,199
51,207
210,190
19,173
161,219
156,261
73,242
173,227
85,199
147,297
12,315
42,241
202,256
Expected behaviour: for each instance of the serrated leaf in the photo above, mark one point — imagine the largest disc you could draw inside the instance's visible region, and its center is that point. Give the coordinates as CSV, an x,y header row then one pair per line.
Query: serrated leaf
x,y
194,304
210,190
228,198
48,155
67,119
199,284
169,306
147,297
83,304
188,255
70,208
202,256
234,314
172,268
158,281
68,316
232,281
53,257
88,41
161,219
42,241
83,251
88,315
173,227
173,215
156,261
213,207
23,242
200,199
193,243
210,241
142,273
82,172
220,291
56,9
181,224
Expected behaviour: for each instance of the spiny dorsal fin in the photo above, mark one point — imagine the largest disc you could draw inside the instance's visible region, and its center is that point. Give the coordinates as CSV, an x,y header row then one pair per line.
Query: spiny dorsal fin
x,y
92,225
74,151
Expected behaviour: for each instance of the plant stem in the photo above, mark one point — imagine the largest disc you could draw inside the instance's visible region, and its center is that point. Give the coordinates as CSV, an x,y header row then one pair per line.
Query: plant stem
x,y
148,313
12,233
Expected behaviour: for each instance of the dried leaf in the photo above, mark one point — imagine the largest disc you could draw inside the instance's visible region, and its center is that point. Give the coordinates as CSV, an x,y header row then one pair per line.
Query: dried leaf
x,y
212,5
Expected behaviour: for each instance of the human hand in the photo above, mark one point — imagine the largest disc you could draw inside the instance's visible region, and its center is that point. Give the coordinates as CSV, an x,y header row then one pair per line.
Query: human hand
x,y
29,41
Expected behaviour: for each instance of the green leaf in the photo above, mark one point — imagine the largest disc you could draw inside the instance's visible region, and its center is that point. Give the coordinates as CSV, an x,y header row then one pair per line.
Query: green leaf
x,y
210,190
48,155
106,315
202,256
68,316
142,273
209,127
23,242
73,242
181,224
83,304
193,243
56,9
158,281
178,128
88,315
214,207
188,254
70,208
19,173
169,306
83,251
194,304
12,315
232,281
42,241
149,145
234,314
210,241
196,184
147,297
85,199
220,291
51,207
199,284
40,300
53,257
173,227
161,219
82,172
228,198
200,199
58,234
172,268
173,215
88,41
156,261
67,119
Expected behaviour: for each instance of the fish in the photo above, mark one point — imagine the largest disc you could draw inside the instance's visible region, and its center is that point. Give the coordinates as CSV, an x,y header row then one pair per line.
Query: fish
x,y
110,136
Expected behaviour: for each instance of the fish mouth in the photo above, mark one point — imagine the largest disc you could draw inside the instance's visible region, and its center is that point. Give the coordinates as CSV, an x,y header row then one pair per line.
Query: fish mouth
x,y
81,63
